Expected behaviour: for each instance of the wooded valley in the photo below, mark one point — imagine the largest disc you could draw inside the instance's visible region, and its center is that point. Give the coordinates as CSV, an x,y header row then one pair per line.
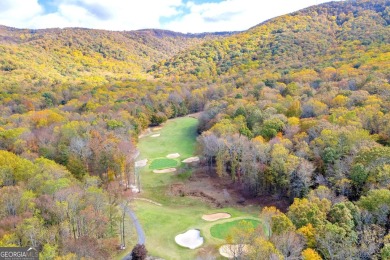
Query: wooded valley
x,y
296,108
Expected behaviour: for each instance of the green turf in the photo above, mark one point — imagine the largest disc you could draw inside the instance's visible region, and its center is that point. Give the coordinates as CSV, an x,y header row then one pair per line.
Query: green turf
x,y
163,163
162,224
177,214
177,136
221,231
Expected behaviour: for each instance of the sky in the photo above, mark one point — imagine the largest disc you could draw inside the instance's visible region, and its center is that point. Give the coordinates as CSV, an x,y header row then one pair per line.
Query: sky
x,y
187,16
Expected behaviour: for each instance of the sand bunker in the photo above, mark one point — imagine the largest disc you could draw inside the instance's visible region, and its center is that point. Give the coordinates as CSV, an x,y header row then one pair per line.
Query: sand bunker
x,y
232,251
190,239
141,163
165,170
156,135
173,155
191,159
216,216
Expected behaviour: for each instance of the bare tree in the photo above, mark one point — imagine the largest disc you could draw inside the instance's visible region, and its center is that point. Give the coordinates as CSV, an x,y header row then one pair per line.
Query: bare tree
x,y
209,144
290,244
301,179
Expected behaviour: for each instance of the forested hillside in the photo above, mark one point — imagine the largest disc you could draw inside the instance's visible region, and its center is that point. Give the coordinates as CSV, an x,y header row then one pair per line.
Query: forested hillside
x,y
304,115
296,108
51,57
333,34
72,104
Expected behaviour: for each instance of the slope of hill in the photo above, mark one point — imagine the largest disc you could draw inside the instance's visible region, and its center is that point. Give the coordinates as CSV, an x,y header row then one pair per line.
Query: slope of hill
x,y
295,109
36,57
330,34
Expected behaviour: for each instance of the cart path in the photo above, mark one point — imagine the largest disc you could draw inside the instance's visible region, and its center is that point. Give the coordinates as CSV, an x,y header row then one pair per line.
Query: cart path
x,y
138,227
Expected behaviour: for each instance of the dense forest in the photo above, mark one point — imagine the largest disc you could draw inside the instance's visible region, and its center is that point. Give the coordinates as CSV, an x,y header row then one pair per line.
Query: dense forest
x,y
296,107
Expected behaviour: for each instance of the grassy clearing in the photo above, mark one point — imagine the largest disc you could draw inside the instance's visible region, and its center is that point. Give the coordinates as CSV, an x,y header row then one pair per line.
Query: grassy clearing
x,y
221,231
163,163
177,214
176,136
162,224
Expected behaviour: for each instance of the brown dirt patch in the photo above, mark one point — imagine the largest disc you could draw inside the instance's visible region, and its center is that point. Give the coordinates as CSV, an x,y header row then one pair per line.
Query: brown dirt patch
x,y
181,189
222,192
165,170
216,216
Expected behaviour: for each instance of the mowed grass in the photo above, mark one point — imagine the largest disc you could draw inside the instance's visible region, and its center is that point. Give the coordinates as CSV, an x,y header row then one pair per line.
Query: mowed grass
x,y
177,214
176,136
162,224
163,163
221,231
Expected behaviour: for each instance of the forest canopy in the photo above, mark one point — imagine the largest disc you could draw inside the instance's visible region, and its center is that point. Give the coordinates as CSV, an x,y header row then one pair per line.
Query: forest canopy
x,y
296,108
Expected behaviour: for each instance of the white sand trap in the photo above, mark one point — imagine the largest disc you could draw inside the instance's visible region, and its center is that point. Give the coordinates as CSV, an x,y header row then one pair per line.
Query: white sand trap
x,y
173,155
165,170
190,239
156,135
141,163
216,216
191,159
232,251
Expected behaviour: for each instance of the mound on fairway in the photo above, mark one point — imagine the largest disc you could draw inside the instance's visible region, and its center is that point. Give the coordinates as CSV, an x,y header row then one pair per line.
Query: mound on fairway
x,y
221,231
216,216
233,251
163,163
165,170
190,239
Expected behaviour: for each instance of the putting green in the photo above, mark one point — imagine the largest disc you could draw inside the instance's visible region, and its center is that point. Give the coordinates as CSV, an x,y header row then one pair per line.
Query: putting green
x,y
175,214
163,163
221,231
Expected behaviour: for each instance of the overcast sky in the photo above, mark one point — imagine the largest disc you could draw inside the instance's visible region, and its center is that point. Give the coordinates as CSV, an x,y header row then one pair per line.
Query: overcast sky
x,y
176,15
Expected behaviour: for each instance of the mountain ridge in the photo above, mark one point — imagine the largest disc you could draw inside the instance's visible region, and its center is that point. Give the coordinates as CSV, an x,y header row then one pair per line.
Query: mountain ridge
x,y
150,31
295,114
124,54
302,37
